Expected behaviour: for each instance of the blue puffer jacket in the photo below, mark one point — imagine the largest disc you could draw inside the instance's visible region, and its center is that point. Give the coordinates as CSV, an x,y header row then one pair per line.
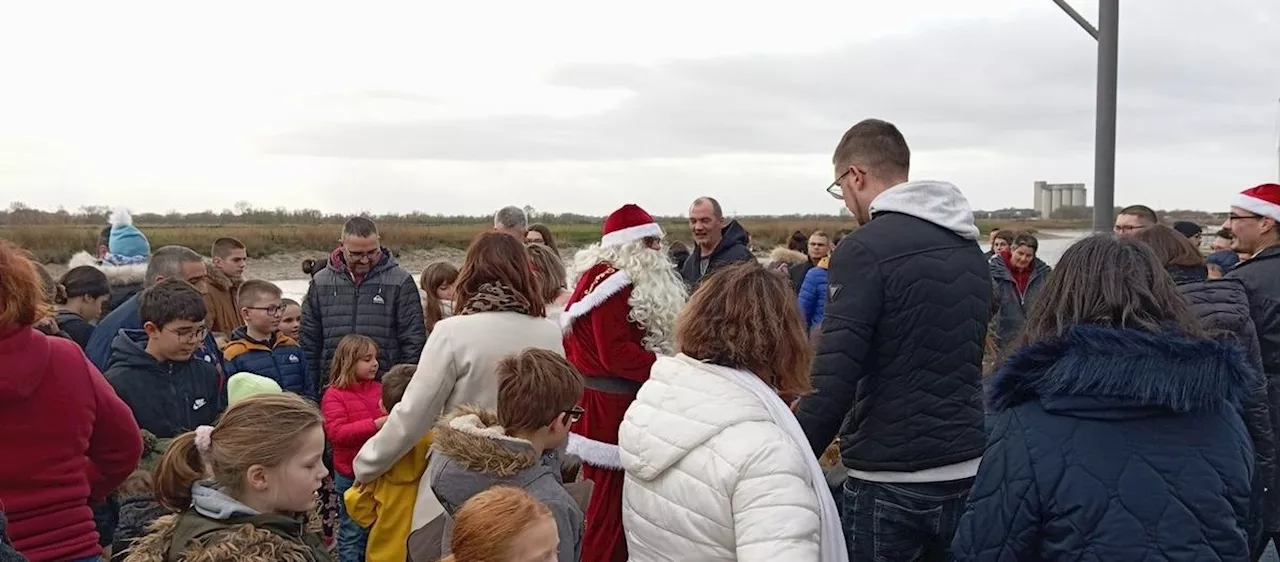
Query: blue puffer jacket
x,y
1115,445
813,294
280,359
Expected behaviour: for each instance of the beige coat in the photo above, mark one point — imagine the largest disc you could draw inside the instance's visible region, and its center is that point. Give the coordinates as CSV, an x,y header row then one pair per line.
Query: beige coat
x,y
457,367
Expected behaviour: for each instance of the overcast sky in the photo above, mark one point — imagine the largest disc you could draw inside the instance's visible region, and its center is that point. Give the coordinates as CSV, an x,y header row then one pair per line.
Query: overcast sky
x,y
581,106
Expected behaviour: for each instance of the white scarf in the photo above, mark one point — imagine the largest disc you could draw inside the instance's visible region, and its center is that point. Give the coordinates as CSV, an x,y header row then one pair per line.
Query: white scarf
x,y
830,533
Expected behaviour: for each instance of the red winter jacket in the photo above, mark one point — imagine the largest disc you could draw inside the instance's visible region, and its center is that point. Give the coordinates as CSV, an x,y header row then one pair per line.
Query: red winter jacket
x,y
348,420
66,440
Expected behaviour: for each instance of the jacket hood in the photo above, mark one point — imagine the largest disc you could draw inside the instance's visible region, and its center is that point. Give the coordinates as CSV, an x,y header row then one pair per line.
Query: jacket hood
x,y
1191,274
1000,268
731,235
472,437
129,349
217,279
117,275
1106,373
211,502
787,256
937,202
25,354
673,417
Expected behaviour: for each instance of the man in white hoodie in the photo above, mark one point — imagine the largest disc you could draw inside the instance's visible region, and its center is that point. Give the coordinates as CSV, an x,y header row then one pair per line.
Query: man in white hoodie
x,y
897,372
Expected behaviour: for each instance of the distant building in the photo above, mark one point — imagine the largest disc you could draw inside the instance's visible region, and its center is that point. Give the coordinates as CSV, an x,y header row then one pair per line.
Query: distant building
x,y
1050,197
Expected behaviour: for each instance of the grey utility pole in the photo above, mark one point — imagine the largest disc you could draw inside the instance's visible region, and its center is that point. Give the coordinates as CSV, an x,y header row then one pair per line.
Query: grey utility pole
x,y
1104,149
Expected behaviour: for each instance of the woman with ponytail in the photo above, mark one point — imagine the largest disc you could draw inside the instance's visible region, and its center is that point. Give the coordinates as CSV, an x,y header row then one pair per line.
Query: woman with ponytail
x,y
244,490
503,524
66,440
80,296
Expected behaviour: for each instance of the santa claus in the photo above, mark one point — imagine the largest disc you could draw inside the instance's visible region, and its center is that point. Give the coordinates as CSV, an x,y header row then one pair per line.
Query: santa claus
x,y
621,315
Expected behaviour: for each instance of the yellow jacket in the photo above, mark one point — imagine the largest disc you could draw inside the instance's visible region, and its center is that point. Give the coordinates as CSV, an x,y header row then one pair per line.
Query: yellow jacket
x,y
385,506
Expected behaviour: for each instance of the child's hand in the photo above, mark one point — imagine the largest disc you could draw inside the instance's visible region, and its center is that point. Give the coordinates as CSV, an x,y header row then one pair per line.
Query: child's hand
x,y
378,423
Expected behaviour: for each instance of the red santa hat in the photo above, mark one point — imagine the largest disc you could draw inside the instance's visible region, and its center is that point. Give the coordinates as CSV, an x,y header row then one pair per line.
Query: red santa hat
x,y
628,224
1262,200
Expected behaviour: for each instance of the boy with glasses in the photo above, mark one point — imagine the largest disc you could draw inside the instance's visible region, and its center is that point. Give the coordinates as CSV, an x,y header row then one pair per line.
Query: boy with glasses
x,y
260,348
153,369
517,445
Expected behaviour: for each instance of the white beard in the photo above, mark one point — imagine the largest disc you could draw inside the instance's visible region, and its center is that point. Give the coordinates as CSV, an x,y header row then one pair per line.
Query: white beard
x,y
658,293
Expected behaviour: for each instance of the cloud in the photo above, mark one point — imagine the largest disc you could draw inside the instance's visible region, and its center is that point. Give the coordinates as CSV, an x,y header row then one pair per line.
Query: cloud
x,y
1190,75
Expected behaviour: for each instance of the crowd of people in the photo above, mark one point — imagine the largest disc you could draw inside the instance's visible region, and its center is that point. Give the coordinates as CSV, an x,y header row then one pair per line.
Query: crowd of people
x,y
887,392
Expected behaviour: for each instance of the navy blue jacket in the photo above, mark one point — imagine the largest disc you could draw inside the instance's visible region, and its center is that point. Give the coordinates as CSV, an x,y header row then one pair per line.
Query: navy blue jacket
x,y
170,398
279,359
125,317
1115,445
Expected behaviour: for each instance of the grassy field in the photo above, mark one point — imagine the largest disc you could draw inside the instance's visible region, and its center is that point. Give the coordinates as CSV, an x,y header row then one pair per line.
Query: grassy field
x,y
56,244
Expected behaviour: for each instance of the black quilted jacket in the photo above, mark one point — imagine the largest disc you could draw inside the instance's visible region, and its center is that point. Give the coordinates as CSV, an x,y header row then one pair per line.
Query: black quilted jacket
x,y
898,365
1261,278
386,307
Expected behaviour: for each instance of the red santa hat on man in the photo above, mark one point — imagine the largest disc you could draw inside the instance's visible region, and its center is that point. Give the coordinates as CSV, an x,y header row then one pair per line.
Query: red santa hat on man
x,y
629,224
1262,200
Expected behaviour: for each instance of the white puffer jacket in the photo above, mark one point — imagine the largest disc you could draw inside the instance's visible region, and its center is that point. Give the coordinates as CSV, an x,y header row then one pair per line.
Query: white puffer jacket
x,y
709,475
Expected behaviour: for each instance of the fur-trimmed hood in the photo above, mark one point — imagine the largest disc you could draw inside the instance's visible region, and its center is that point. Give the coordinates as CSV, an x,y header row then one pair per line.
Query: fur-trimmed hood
x,y
232,534
217,279
475,454
473,438
1099,372
117,275
782,254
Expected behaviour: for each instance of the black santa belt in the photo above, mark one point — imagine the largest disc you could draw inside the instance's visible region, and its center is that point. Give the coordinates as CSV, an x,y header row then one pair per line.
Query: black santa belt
x,y
613,385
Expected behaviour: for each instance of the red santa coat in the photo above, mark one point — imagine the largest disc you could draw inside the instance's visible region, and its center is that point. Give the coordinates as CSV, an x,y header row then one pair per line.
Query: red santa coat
x,y
608,349
601,341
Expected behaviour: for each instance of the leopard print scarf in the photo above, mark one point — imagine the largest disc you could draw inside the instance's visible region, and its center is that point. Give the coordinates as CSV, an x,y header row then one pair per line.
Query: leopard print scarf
x,y
495,297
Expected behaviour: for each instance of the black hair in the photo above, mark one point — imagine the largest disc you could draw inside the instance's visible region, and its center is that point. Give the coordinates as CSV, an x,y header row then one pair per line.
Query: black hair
x,y
1226,233
171,300
104,237
82,281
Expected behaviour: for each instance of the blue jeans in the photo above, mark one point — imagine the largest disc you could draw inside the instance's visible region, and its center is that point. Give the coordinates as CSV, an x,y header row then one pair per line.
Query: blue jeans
x,y
352,540
902,522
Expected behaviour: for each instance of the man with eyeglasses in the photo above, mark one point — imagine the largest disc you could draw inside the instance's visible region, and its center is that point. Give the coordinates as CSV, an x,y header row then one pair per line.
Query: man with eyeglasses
x,y
898,365
1254,221
154,369
363,290
1133,218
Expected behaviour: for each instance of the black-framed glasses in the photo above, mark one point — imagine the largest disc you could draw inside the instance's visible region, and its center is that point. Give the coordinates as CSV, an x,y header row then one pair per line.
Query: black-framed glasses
x,y
575,413
362,256
1234,217
834,189
274,310
190,335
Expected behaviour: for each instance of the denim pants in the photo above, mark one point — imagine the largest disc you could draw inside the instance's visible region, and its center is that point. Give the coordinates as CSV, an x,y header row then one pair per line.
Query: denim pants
x,y
352,539
902,522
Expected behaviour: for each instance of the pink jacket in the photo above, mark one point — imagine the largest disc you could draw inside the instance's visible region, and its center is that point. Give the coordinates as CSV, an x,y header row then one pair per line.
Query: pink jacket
x,y
348,420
